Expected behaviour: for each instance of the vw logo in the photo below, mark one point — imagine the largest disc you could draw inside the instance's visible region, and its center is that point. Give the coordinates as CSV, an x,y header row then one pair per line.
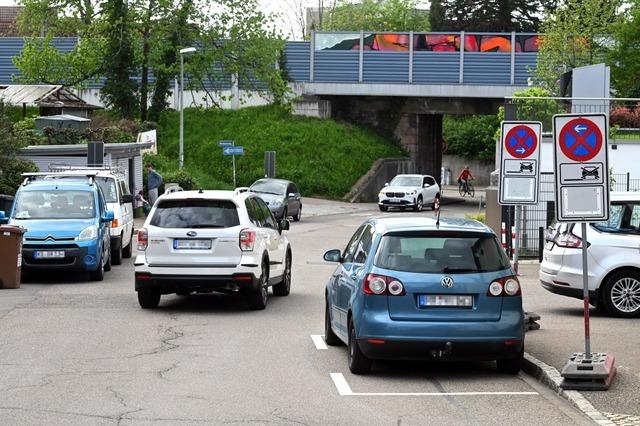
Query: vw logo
x,y
446,282
192,234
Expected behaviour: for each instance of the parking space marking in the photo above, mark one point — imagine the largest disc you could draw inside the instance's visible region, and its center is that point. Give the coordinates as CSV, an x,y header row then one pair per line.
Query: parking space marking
x,y
318,340
345,390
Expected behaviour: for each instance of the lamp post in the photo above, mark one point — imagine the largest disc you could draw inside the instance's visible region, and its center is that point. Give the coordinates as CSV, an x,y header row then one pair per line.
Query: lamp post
x,y
184,51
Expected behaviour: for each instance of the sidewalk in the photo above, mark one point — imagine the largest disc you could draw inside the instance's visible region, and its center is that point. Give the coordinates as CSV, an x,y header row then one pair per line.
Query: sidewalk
x,y
562,332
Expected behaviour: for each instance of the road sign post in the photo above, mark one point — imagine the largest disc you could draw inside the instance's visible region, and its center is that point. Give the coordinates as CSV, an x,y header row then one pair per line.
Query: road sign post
x,y
232,150
581,169
519,170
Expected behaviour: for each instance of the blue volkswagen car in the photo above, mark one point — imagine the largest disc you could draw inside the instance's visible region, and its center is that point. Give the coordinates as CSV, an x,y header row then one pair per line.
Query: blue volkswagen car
x,y
67,226
412,288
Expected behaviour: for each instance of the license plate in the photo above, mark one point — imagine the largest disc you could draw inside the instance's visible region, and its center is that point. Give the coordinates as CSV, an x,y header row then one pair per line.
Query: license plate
x,y
445,300
394,201
192,244
53,254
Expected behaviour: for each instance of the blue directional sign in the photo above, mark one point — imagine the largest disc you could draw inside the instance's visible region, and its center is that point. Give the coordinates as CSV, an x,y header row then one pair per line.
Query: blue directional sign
x,y
233,150
225,143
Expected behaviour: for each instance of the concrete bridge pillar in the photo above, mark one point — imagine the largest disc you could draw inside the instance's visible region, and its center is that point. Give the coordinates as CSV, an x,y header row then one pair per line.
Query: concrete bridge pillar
x,y
428,154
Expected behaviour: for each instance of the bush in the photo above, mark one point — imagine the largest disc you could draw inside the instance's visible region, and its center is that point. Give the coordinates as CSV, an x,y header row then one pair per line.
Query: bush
x,y
182,178
624,117
480,217
471,137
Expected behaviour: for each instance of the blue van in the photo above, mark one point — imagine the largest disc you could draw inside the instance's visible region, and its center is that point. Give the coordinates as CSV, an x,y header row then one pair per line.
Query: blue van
x,y
67,226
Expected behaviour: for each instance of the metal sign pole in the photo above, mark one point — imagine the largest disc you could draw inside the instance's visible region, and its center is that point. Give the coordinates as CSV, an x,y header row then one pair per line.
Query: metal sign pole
x,y
516,249
233,160
585,285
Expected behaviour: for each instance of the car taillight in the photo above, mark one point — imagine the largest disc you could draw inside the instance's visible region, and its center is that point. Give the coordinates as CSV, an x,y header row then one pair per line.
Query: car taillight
x,y
143,239
568,240
504,287
381,285
247,239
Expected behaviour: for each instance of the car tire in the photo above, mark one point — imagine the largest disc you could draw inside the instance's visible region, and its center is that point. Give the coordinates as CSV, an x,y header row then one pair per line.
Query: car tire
x,y
107,265
624,286
148,299
98,274
383,208
330,337
436,203
116,252
127,252
257,296
418,206
511,365
298,215
358,362
283,288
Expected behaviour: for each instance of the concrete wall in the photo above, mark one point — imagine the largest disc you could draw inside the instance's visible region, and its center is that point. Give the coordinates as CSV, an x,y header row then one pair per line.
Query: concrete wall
x,y
312,107
381,172
480,169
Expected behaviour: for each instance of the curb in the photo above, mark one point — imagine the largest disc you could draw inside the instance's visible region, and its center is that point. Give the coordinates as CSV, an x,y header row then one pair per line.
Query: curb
x,y
550,376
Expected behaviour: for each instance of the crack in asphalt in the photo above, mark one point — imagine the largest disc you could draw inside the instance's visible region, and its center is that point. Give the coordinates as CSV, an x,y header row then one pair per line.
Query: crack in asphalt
x,y
121,416
68,413
275,414
166,344
161,373
454,402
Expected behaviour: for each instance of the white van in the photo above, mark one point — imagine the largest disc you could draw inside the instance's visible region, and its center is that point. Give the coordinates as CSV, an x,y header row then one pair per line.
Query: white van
x,y
119,200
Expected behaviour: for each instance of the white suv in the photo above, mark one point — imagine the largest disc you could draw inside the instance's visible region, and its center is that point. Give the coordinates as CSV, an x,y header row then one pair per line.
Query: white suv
x,y
414,191
204,241
613,259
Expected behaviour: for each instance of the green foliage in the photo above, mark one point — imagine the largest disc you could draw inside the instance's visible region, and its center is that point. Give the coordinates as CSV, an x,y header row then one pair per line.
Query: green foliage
x,y
323,157
10,166
182,178
25,131
375,15
471,137
480,217
541,110
625,54
575,35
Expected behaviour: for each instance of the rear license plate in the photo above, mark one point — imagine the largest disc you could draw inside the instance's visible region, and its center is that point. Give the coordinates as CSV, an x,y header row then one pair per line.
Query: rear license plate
x,y
53,254
445,300
192,244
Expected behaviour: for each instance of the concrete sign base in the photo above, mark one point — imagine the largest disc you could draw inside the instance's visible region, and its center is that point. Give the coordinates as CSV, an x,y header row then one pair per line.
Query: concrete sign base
x,y
582,373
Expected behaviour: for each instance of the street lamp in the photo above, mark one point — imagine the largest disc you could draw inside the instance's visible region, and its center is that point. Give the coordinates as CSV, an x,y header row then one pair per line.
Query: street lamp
x,y
183,52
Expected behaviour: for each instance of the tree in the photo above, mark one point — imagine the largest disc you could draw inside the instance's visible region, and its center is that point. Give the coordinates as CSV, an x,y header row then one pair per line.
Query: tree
x,y
575,35
377,15
625,54
11,167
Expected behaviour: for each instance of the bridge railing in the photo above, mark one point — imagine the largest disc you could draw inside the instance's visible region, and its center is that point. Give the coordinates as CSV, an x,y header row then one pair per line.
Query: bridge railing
x,y
414,58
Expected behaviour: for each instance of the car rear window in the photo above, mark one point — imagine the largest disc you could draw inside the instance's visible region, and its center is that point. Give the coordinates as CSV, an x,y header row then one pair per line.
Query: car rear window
x,y
195,214
456,252
624,218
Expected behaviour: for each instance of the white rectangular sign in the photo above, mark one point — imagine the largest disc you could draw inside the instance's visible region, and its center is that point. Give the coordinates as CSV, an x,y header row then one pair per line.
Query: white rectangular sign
x,y
581,167
520,162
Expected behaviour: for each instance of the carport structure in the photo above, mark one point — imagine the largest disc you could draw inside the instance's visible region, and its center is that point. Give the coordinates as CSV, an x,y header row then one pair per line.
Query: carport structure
x,y
51,99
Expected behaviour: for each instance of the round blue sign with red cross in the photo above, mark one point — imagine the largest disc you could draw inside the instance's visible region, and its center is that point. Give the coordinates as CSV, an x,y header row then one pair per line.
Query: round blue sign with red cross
x,y
580,139
521,141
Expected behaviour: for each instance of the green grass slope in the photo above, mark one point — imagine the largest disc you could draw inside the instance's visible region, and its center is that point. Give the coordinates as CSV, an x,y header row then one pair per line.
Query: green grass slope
x,y
324,157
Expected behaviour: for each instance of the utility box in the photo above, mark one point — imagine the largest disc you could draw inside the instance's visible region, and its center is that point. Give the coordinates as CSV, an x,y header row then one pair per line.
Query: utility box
x,y
11,259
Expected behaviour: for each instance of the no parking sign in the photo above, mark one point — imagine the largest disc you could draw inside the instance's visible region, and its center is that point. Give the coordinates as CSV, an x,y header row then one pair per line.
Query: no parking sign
x,y
519,162
581,167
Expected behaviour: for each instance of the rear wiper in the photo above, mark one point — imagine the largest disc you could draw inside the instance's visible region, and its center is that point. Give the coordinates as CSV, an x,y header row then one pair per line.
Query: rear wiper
x,y
448,269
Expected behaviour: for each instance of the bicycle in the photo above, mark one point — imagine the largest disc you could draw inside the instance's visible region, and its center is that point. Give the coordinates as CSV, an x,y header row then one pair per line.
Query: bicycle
x,y
468,190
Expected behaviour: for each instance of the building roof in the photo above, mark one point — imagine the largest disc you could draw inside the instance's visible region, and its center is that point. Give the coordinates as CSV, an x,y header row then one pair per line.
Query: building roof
x,y
81,149
43,95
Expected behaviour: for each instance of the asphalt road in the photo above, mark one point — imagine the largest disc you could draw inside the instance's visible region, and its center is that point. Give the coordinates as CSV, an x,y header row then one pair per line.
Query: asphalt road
x,y
77,352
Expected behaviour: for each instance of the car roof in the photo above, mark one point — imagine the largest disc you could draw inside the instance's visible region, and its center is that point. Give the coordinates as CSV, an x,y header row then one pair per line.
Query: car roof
x,y
208,195
272,180
389,224
625,196
59,185
411,175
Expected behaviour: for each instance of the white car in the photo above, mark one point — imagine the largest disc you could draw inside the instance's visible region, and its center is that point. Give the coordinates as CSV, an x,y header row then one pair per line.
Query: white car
x,y
613,259
413,191
204,241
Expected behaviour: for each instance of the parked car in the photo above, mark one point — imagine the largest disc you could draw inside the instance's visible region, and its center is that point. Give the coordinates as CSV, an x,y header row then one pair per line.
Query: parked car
x,y
119,199
203,241
419,289
282,197
414,191
613,259
67,226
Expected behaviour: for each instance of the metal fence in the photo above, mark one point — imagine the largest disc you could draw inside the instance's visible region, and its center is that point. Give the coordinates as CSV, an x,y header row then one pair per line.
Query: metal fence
x,y
538,216
624,182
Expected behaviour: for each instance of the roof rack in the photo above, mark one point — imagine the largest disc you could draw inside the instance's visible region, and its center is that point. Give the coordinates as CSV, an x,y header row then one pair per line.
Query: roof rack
x,y
60,168
29,177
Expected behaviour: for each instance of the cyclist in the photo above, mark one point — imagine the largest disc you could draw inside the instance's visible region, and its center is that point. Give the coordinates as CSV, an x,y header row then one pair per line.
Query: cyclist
x,y
464,178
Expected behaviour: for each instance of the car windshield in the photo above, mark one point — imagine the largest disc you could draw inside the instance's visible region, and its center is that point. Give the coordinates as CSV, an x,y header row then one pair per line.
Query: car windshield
x,y
54,204
269,187
624,218
444,252
195,214
406,181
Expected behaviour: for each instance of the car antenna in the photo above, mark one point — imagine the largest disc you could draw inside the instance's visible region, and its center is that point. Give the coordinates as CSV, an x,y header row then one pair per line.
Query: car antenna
x,y
200,191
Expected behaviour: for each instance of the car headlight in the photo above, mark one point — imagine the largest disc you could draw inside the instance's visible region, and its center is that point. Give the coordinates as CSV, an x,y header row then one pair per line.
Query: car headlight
x,y
88,233
380,194
412,193
276,203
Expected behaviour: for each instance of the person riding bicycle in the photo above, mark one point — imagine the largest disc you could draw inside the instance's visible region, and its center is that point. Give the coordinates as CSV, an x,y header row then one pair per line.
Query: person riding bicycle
x,y
464,178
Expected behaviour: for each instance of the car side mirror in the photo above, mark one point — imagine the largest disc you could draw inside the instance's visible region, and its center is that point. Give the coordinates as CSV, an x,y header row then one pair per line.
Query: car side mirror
x,y
126,198
426,185
334,255
386,184
108,216
284,225
3,218
292,195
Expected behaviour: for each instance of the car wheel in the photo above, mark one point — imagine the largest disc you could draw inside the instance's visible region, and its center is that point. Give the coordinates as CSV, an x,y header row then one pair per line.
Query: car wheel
x,y
358,363
298,215
511,365
257,297
621,294
383,208
98,274
148,299
283,288
107,265
436,203
330,337
418,206
116,252
127,252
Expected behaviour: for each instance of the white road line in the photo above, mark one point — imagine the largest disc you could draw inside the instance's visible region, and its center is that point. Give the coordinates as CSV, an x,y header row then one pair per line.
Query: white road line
x,y
345,390
318,340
